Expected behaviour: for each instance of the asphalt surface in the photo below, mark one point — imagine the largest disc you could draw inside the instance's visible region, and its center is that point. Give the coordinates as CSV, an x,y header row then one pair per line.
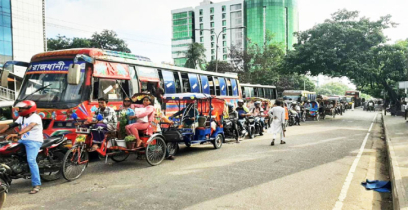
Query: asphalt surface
x,y
308,172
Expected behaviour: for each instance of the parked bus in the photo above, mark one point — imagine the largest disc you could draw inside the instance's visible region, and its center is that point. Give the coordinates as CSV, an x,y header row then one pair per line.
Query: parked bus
x,y
355,97
70,81
261,91
299,95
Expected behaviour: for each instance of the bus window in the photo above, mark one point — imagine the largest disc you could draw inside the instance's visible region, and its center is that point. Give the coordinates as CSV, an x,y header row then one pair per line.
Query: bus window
x,y
205,84
267,93
177,82
229,87
234,88
211,82
274,94
261,92
217,86
108,89
243,92
134,86
194,85
169,85
185,83
222,87
251,92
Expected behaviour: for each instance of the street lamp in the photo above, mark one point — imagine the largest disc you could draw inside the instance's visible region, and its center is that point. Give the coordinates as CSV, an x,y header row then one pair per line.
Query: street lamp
x,y
216,40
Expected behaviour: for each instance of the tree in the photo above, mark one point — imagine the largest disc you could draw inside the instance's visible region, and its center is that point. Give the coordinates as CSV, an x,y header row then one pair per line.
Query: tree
x,y
223,66
107,40
334,88
195,56
347,45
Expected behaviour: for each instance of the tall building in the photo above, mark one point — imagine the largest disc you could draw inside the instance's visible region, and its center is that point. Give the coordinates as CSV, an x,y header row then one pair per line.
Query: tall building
x,y
260,17
183,33
22,30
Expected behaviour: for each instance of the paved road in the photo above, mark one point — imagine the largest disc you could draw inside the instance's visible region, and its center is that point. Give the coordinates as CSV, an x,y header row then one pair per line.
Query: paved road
x,y
308,172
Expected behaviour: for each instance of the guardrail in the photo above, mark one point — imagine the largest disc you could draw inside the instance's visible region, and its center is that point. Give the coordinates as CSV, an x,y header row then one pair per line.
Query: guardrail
x,y
7,94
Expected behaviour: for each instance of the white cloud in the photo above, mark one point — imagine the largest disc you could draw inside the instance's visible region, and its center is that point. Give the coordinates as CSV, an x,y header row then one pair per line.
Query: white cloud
x,y
146,24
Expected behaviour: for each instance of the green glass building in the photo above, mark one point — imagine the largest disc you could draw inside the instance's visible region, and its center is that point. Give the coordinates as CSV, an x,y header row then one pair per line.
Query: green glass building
x,y
183,34
279,17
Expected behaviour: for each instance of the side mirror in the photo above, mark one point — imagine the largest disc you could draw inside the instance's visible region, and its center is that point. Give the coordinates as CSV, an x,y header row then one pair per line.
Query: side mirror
x,y
74,73
4,78
74,116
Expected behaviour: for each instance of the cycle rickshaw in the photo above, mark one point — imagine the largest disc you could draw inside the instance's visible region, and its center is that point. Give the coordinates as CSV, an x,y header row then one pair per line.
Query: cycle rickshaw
x,y
76,159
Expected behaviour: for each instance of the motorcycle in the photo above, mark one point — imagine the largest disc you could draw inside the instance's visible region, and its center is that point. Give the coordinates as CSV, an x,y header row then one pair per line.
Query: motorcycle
x,y
258,126
251,126
14,160
293,118
231,129
5,182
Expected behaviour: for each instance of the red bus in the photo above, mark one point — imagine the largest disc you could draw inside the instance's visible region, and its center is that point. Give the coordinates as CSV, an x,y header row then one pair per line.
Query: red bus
x,y
355,97
67,81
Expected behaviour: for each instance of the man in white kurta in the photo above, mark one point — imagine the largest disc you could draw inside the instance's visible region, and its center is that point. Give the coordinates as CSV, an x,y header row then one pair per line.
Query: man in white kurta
x,y
277,114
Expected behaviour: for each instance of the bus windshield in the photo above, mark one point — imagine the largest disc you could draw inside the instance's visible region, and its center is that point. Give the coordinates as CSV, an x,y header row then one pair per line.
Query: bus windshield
x,y
51,90
293,98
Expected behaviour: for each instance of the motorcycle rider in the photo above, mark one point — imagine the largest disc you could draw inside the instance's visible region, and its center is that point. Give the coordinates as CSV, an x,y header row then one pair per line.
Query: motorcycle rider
x,y
242,113
31,135
257,111
296,108
233,116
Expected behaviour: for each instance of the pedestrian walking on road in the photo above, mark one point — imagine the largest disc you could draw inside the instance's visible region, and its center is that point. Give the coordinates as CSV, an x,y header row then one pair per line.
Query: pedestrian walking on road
x,y
277,113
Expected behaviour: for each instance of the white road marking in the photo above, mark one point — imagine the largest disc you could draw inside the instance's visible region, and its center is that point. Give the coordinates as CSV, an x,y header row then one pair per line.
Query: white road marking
x,y
349,178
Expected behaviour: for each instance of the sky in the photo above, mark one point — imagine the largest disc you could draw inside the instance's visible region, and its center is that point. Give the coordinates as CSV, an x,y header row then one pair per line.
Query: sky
x,y
146,24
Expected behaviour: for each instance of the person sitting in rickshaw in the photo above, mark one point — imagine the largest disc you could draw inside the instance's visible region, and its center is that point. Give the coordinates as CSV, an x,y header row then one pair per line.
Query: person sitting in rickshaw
x,y
242,113
258,112
141,123
104,117
189,115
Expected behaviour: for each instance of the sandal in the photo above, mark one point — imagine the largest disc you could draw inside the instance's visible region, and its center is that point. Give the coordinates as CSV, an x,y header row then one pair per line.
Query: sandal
x,y
283,142
35,190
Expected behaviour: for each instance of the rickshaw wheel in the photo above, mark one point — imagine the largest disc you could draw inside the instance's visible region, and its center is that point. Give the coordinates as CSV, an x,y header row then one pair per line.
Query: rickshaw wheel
x,y
218,141
120,157
71,170
173,148
156,151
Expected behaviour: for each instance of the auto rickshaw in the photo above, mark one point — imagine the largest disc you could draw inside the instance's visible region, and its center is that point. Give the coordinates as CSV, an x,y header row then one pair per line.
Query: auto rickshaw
x,y
323,102
205,126
313,111
331,106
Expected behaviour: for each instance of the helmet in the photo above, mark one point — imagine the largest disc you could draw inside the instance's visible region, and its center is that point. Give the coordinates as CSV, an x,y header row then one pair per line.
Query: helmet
x,y
240,101
231,106
294,103
26,107
257,102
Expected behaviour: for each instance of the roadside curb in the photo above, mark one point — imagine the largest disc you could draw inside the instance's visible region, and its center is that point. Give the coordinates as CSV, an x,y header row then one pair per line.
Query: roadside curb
x,y
399,198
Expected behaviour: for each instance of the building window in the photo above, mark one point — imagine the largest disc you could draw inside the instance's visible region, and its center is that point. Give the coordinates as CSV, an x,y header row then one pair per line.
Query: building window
x,y
225,50
212,38
235,7
201,19
224,43
212,17
212,57
201,39
225,57
212,52
201,33
201,26
224,15
224,29
212,31
212,24
212,44
223,8
224,36
201,12
212,10
224,23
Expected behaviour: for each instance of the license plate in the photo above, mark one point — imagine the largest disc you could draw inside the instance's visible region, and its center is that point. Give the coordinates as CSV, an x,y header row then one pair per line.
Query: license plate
x,y
80,138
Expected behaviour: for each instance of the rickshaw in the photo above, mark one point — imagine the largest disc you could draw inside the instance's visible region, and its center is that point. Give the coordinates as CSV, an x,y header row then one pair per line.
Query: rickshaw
x,y
370,105
331,106
323,101
76,159
207,126
313,111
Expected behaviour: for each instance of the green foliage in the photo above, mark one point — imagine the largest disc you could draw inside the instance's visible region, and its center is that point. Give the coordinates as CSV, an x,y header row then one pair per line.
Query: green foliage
x,y
107,40
332,89
347,45
223,66
195,56
130,138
